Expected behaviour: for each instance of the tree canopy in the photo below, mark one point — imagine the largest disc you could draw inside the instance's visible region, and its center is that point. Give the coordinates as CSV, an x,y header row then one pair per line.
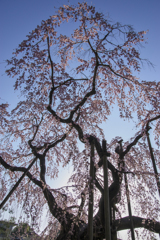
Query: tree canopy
x,y
71,70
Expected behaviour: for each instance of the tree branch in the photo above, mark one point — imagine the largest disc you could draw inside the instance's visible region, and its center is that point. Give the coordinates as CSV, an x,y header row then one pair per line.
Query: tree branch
x,y
20,169
54,208
124,223
18,182
133,143
51,62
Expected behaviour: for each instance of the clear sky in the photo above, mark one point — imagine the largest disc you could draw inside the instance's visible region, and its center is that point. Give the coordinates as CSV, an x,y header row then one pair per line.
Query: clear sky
x,y
19,17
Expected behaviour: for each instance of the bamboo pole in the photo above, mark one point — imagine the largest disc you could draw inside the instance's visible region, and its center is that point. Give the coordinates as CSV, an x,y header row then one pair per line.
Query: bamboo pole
x,y
106,194
91,196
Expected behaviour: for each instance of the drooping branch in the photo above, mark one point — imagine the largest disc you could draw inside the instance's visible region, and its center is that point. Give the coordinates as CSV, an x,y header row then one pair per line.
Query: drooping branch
x,y
152,119
37,128
147,128
69,119
18,182
117,74
51,62
52,145
133,143
124,223
26,170
20,169
56,211
80,104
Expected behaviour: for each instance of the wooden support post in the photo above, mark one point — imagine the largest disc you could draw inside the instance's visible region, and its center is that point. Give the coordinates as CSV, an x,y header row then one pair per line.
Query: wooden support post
x,y
153,162
106,194
127,193
129,207
91,196
114,231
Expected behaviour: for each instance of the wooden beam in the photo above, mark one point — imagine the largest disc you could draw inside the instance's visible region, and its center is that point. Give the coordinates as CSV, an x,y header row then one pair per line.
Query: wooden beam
x,y
91,194
106,194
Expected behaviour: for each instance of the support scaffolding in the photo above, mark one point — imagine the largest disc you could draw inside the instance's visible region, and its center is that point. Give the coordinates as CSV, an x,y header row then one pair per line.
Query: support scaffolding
x,y
127,192
151,152
107,210
106,194
153,162
91,194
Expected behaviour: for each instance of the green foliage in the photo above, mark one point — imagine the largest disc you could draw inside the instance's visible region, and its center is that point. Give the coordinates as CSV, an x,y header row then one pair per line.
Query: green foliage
x,y
9,230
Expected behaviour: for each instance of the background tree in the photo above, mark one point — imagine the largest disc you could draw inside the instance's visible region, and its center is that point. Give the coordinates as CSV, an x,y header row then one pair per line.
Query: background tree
x,y
10,231
69,82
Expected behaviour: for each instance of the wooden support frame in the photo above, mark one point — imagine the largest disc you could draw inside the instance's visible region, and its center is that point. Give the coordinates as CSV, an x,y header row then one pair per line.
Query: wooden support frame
x,y
127,193
106,194
91,194
129,207
153,162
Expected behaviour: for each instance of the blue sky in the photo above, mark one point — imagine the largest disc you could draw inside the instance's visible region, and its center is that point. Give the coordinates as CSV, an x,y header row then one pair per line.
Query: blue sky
x,y
19,17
